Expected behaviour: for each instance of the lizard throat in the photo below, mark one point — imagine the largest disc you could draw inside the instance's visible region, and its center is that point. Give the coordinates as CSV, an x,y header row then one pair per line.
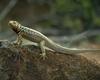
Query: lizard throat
x,y
15,30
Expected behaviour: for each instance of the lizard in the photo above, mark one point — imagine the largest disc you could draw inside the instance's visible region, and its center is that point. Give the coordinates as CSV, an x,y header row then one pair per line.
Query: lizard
x,y
42,40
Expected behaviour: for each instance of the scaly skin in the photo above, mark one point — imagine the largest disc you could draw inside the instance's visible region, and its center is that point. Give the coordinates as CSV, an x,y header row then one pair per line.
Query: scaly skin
x,y
42,40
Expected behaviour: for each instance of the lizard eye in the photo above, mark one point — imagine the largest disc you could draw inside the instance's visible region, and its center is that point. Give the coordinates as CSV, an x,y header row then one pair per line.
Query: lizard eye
x,y
15,23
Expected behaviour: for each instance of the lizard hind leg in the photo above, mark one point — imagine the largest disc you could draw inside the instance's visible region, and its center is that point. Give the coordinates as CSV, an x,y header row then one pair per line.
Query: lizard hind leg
x,y
42,46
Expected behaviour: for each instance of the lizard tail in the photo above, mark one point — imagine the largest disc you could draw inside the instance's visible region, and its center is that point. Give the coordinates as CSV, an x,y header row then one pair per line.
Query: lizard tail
x,y
59,48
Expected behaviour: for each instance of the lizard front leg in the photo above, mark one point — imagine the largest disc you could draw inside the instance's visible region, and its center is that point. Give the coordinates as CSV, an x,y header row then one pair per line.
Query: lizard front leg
x,y
42,46
18,41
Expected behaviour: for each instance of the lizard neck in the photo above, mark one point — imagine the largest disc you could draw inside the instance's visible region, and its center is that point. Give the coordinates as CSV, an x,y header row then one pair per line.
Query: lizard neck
x,y
16,30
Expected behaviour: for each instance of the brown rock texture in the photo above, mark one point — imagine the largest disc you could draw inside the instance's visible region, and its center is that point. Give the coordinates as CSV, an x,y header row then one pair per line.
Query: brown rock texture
x,y
25,63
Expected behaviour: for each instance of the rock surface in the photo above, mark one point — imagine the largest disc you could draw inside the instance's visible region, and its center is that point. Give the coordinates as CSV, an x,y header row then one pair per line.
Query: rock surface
x,y
25,63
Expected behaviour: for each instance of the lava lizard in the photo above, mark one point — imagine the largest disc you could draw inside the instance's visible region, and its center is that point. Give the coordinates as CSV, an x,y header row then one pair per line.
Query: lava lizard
x,y
42,40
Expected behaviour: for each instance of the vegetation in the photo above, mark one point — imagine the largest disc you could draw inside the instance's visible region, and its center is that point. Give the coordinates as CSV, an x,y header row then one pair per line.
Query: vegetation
x,y
70,15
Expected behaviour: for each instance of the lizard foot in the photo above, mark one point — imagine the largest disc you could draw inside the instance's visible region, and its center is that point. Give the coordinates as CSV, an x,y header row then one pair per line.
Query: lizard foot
x,y
15,43
43,56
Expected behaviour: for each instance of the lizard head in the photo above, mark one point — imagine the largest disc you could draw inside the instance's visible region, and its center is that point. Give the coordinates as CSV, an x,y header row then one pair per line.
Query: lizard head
x,y
15,26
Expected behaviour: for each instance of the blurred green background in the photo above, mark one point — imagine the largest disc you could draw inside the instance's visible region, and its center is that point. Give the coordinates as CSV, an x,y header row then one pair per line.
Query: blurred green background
x,y
53,17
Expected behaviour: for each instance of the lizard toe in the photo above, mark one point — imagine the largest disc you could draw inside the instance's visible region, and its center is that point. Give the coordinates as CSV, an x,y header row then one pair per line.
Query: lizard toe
x,y
43,56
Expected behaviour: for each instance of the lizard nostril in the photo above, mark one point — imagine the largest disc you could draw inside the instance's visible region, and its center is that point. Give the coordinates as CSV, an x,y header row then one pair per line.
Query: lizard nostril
x,y
10,23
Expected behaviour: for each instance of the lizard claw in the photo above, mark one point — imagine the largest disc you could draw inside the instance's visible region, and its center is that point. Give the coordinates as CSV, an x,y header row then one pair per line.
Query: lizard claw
x,y
43,55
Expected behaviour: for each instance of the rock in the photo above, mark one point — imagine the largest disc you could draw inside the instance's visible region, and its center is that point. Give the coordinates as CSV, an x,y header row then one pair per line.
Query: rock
x,y
25,63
